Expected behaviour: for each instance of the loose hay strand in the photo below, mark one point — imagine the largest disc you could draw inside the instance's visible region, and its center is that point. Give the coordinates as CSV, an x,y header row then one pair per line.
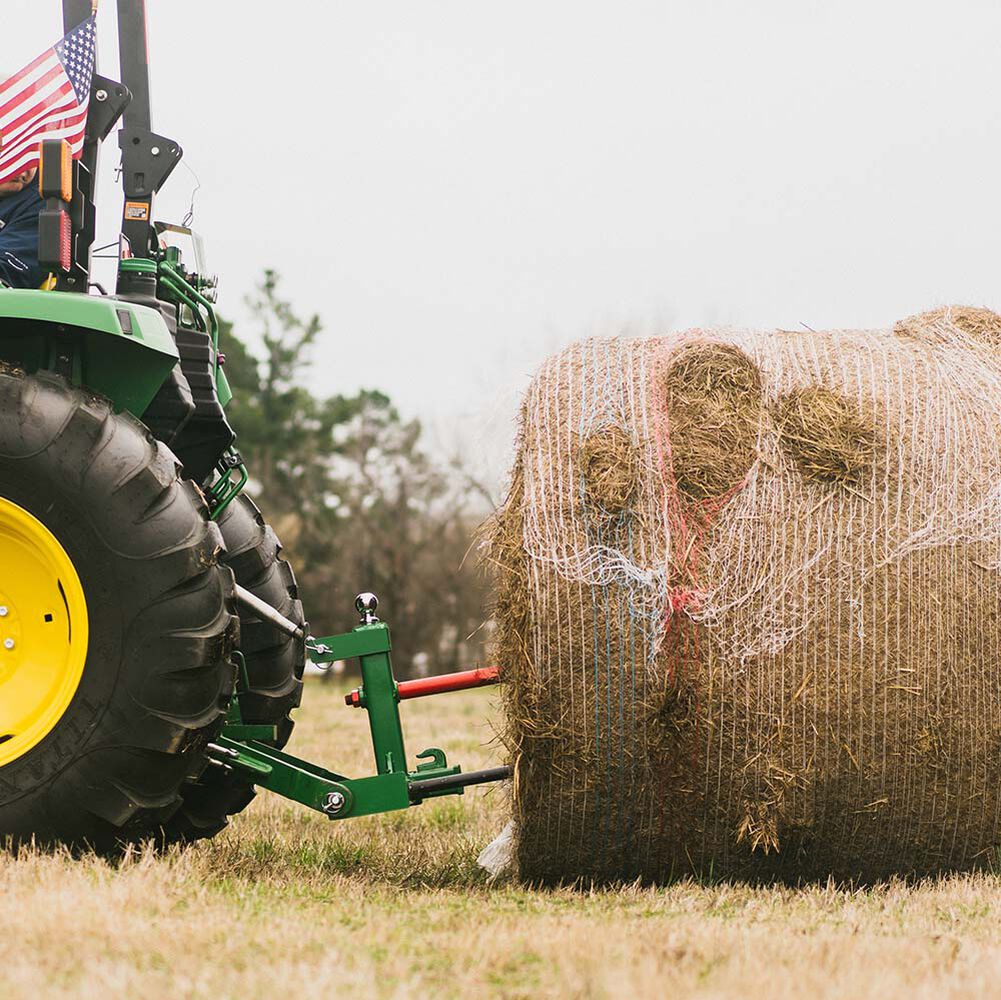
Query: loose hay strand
x,y
713,396
829,437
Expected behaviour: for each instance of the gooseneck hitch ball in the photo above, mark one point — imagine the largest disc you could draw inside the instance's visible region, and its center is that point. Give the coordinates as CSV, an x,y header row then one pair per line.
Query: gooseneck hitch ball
x,y
366,605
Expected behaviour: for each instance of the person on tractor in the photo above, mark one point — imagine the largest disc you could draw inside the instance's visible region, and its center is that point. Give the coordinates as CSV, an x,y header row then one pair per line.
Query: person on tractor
x,y
20,205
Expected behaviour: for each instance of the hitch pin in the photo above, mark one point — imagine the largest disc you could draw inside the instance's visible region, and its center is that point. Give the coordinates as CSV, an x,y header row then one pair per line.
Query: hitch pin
x,y
272,616
268,614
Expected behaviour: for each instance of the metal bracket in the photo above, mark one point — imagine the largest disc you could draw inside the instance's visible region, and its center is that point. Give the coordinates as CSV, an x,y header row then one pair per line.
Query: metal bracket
x,y
336,796
434,760
108,100
148,160
325,791
435,766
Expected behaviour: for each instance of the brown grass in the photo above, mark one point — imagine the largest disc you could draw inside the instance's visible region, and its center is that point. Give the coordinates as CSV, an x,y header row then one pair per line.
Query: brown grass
x,y
287,904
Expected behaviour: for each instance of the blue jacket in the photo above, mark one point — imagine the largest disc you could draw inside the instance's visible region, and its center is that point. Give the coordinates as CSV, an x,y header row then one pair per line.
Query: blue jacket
x,y
19,265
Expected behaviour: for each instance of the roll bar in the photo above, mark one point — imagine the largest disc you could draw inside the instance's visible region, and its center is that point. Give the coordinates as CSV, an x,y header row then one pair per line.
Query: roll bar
x,y
148,159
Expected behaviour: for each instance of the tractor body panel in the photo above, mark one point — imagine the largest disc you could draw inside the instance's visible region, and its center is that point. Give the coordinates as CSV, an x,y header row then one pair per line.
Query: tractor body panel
x,y
121,350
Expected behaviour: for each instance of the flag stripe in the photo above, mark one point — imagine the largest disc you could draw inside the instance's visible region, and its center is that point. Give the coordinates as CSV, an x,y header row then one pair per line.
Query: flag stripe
x,y
37,88
74,121
29,156
38,114
56,117
17,127
10,83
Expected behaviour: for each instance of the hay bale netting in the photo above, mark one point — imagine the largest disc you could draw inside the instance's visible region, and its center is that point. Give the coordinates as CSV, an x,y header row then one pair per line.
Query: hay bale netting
x,y
763,642
978,323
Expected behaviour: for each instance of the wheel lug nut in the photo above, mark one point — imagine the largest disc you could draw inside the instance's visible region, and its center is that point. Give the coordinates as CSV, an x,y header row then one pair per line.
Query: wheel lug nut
x,y
3,611
8,644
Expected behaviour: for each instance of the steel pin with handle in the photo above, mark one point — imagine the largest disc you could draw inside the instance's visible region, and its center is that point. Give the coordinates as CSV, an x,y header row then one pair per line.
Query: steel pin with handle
x,y
272,616
268,614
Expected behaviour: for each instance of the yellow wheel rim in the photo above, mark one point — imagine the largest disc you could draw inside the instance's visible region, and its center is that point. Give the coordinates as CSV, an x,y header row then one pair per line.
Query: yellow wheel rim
x,y
43,631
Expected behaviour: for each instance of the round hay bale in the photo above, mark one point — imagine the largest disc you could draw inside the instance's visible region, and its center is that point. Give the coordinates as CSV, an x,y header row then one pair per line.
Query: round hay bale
x,y
783,685
828,436
714,409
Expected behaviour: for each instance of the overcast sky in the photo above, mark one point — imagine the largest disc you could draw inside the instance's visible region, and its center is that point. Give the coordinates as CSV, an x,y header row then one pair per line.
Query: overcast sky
x,y
458,188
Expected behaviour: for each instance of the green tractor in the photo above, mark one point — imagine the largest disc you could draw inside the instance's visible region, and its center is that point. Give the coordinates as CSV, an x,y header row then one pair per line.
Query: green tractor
x,y
152,637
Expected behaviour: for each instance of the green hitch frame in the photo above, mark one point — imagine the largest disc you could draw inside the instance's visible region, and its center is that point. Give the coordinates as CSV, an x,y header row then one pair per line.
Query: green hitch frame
x,y
245,748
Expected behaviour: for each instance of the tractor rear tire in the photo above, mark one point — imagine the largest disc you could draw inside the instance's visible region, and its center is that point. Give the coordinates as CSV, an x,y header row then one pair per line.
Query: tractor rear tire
x,y
147,615
274,661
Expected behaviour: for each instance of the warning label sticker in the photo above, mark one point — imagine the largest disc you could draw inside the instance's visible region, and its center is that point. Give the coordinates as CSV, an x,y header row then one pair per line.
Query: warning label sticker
x,y
137,211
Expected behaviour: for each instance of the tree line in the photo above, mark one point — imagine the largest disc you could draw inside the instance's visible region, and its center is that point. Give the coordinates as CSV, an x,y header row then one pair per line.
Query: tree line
x,y
357,501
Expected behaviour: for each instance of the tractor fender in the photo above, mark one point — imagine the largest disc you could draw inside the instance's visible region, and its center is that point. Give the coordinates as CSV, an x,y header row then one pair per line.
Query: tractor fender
x,y
122,350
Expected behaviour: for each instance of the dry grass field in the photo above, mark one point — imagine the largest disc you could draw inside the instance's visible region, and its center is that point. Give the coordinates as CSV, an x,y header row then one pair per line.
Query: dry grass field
x,y
287,904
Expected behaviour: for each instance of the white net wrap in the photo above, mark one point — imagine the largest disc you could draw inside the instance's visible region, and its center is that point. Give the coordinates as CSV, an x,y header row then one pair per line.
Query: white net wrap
x,y
782,546
799,658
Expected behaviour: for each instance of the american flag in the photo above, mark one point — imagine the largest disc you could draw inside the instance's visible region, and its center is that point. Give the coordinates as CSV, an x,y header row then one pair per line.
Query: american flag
x,y
48,99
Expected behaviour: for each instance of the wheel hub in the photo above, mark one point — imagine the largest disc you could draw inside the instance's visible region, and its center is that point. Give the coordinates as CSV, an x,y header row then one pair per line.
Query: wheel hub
x,y
43,631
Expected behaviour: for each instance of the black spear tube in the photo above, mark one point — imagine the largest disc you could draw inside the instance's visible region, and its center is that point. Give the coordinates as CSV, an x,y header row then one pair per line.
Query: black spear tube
x,y
423,787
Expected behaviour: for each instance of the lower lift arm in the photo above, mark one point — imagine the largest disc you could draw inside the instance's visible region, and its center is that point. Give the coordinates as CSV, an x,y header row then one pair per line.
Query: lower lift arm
x,y
243,747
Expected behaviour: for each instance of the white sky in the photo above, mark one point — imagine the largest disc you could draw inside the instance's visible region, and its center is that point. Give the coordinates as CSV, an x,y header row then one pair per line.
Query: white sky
x,y
460,187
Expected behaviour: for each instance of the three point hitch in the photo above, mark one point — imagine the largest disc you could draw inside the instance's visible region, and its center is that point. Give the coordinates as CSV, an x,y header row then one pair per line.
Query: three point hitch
x,y
245,748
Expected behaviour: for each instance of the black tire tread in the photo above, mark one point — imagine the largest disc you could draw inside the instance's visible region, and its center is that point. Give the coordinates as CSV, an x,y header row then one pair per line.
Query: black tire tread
x,y
275,665
112,773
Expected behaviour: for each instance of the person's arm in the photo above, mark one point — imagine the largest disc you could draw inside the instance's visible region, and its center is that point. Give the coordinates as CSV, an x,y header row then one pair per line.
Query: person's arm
x,y
19,265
